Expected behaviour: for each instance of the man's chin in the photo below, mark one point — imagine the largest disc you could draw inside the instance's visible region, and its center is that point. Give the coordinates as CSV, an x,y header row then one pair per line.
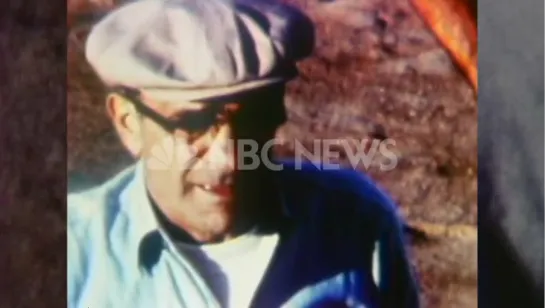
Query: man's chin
x,y
214,236
214,227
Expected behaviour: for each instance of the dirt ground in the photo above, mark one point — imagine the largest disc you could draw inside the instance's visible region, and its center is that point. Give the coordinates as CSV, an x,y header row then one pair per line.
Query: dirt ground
x,y
378,73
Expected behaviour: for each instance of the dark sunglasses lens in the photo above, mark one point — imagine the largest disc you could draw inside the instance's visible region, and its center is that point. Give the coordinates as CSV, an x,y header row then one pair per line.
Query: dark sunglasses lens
x,y
259,117
198,121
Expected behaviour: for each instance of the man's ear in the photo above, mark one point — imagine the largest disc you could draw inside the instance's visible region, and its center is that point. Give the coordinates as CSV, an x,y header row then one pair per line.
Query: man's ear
x,y
126,122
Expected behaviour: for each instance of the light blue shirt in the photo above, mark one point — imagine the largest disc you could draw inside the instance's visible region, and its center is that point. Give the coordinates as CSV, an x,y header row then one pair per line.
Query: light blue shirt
x,y
118,255
110,236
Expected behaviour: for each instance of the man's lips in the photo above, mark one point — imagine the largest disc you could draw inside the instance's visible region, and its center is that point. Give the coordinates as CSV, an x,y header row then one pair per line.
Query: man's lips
x,y
223,191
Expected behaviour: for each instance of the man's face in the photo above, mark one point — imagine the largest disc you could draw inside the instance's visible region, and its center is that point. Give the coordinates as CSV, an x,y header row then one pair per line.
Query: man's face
x,y
191,152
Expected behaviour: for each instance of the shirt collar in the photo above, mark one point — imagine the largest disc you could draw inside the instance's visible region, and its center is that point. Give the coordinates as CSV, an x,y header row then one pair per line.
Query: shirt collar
x,y
145,229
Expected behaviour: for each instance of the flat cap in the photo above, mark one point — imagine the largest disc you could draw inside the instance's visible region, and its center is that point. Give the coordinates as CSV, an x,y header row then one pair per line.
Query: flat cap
x,y
195,50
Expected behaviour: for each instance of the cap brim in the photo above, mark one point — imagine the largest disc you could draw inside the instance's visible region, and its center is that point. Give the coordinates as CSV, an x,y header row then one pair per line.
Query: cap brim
x,y
207,94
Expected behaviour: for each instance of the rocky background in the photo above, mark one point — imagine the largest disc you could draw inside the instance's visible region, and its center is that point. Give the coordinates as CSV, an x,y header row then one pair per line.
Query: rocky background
x,y
377,73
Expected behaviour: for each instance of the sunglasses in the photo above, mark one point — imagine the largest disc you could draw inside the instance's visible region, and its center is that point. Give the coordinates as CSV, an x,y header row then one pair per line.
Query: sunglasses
x,y
258,112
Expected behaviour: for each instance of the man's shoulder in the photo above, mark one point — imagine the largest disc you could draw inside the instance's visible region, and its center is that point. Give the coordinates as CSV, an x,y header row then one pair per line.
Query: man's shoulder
x,y
329,178
337,188
93,216
96,204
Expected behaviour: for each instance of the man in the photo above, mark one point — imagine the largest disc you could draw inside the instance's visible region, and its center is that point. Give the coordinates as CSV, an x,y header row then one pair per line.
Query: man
x,y
190,224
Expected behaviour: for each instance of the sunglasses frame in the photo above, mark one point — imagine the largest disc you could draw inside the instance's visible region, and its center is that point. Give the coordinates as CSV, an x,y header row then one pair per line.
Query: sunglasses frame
x,y
208,117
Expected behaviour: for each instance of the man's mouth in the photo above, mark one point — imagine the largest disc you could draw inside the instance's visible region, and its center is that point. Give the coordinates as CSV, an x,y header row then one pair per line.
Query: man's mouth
x,y
222,191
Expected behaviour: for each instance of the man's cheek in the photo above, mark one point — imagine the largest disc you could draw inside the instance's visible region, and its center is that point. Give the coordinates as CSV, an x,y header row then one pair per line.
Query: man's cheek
x,y
185,156
162,153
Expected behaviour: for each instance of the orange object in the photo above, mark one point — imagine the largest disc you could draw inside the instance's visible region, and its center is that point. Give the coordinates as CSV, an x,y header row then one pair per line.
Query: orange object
x,y
454,22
